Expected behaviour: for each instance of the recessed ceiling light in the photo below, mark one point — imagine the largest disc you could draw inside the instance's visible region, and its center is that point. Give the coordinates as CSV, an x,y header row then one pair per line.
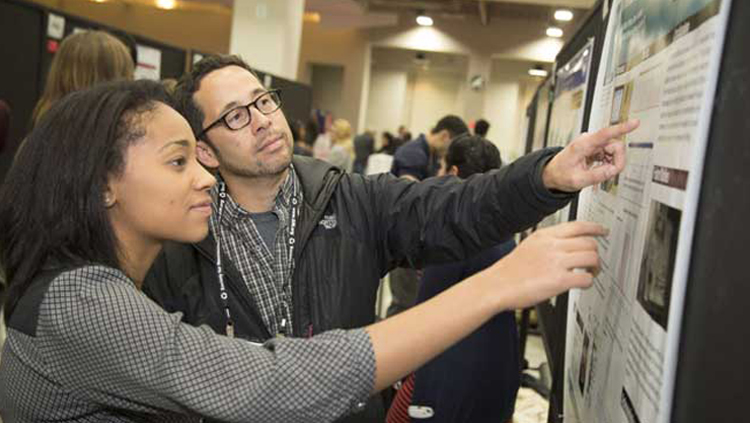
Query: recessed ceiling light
x,y
563,15
424,20
312,17
166,4
539,72
554,32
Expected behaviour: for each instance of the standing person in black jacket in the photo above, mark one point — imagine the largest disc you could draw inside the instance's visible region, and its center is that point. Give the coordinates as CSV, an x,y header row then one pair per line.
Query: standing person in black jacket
x,y
303,245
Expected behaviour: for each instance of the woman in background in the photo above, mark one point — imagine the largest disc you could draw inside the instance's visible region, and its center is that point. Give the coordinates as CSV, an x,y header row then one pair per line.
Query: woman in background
x,y
110,174
342,146
84,59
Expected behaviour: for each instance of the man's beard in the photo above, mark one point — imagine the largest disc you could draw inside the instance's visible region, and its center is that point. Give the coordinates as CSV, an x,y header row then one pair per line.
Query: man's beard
x,y
258,168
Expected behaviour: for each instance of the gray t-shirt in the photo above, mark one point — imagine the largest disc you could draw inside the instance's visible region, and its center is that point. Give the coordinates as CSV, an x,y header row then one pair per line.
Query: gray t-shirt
x,y
267,224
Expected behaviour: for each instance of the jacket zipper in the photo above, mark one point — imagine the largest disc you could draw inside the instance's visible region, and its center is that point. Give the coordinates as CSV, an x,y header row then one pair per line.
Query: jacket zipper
x,y
299,328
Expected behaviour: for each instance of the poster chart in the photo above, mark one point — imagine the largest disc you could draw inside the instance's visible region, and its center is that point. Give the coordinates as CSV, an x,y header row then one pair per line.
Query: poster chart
x,y
660,64
566,120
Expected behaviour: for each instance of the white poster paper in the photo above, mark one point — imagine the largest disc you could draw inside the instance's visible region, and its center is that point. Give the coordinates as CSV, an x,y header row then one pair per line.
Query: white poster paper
x,y
149,63
660,64
55,26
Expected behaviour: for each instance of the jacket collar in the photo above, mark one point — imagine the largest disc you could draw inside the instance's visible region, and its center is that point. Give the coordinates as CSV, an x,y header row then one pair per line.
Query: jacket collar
x,y
318,179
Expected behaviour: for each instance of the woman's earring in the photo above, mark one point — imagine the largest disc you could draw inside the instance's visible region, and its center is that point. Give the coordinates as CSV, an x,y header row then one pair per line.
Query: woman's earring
x,y
108,201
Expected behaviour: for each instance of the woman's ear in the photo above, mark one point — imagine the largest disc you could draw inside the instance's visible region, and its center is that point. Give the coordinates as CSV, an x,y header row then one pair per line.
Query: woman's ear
x,y
109,198
206,155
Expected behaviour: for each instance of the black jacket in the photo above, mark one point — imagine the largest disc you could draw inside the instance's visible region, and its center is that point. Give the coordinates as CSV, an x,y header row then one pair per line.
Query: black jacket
x,y
351,231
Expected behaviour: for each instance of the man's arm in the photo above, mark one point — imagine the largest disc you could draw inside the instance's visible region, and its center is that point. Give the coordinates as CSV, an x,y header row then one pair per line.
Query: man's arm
x,y
446,219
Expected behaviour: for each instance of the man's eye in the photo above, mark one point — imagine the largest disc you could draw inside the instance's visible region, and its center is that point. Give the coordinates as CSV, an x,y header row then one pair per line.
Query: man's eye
x,y
234,117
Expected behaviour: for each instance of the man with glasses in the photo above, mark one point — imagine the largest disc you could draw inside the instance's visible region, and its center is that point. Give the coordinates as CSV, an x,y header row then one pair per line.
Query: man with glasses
x,y
297,246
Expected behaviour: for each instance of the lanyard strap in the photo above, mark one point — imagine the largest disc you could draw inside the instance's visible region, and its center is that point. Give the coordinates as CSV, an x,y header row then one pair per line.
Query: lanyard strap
x,y
223,293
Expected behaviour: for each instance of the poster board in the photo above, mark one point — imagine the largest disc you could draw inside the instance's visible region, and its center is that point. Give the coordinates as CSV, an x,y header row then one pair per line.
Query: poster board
x,y
660,64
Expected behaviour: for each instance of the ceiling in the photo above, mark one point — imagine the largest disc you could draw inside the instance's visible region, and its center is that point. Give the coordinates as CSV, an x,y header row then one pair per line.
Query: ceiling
x,y
372,13
419,61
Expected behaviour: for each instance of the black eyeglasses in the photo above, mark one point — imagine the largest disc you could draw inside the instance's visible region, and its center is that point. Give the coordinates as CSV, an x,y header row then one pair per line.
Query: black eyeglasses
x,y
240,117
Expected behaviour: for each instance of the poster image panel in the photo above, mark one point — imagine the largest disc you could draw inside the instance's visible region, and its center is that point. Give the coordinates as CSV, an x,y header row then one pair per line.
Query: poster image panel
x,y
657,263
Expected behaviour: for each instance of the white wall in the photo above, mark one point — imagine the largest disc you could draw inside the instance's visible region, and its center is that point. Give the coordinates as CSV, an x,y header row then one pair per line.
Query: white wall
x,y
435,95
327,83
344,47
507,95
415,99
260,24
386,106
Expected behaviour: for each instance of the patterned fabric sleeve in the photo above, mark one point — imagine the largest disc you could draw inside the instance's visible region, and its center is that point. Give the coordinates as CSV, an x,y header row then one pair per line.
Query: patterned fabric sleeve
x,y
111,345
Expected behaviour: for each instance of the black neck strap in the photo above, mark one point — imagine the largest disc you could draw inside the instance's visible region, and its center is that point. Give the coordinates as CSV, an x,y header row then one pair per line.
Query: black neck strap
x,y
223,293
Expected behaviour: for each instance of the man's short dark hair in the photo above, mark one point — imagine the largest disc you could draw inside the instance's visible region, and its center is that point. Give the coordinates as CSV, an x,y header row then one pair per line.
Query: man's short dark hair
x,y
472,154
453,124
191,82
481,127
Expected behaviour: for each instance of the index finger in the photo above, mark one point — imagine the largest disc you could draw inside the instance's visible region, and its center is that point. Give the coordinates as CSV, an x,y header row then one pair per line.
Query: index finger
x,y
577,229
602,137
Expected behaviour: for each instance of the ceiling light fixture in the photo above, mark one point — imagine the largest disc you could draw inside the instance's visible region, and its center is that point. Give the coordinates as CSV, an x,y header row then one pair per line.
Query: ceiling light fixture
x,y
564,15
312,17
538,71
166,4
554,32
424,20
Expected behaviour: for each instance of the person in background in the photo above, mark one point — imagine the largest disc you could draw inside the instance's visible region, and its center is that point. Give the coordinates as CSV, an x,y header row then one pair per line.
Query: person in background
x,y
417,160
299,135
110,174
84,59
311,131
382,160
477,379
402,131
322,145
342,146
388,143
364,146
481,127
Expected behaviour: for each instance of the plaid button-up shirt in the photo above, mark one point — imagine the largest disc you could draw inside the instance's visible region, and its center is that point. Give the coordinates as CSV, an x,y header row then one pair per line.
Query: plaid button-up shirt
x,y
267,274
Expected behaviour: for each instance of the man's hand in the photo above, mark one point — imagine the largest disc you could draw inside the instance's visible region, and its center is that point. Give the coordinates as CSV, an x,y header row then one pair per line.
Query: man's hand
x,y
589,159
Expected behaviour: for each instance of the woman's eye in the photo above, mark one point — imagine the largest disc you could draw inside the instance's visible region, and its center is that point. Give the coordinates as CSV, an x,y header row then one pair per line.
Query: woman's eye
x,y
179,162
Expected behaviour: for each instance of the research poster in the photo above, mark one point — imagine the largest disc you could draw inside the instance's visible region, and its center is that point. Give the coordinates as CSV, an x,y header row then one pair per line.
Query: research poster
x,y
568,106
660,64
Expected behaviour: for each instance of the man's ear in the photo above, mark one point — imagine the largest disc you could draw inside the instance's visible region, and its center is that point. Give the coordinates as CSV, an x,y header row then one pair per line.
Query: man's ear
x,y
206,155
453,170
